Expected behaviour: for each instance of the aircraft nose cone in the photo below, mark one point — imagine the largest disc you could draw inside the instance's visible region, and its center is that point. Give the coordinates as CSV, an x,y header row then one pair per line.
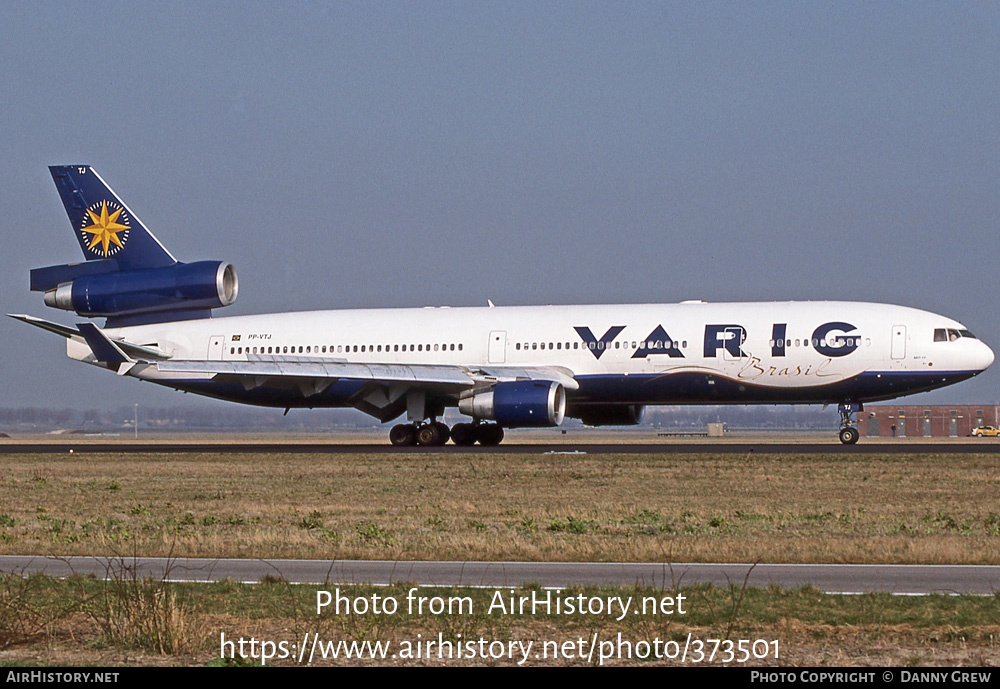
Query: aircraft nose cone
x,y
986,357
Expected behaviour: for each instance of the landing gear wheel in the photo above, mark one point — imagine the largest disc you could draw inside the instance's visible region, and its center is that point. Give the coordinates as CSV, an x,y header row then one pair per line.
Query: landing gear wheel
x,y
489,434
445,431
429,435
849,435
463,434
403,435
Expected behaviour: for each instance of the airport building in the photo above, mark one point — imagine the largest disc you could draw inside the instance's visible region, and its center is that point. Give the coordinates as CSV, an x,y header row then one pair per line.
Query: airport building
x,y
926,421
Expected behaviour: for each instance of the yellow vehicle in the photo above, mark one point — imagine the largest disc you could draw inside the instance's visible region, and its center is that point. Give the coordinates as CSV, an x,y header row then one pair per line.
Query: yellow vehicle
x,y
986,432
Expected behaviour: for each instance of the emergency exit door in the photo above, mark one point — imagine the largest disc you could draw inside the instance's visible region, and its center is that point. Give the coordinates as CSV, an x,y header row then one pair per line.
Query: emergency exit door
x,y
215,347
898,341
498,346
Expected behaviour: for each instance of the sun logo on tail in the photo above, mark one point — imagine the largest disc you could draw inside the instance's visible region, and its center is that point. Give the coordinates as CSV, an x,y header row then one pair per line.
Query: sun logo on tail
x,y
108,232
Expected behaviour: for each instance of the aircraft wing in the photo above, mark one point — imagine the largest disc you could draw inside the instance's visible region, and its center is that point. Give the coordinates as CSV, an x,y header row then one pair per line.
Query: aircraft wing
x,y
438,375
384,394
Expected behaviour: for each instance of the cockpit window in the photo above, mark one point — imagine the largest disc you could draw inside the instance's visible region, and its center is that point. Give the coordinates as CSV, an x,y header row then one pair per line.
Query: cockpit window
x,y
951,335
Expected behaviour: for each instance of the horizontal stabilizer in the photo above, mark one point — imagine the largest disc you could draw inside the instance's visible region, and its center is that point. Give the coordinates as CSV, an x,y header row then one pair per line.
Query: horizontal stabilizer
x,y
134,351
56,328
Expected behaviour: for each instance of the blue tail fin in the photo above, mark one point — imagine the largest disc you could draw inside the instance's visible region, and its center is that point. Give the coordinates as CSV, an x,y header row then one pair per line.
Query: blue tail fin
x,y
103,224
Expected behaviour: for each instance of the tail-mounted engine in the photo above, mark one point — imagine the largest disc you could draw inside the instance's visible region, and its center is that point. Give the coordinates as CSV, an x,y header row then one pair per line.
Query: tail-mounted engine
x,y
133,295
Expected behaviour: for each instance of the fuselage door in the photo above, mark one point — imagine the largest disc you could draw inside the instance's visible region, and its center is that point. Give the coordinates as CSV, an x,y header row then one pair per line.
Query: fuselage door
x,y
898,341
215,346
498,346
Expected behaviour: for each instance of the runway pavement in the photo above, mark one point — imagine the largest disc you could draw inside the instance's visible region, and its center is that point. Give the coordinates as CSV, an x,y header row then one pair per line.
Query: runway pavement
x,y
841,579
702,447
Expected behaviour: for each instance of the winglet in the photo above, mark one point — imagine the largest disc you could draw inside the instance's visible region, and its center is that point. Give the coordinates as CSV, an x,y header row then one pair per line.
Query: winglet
x,y
106,351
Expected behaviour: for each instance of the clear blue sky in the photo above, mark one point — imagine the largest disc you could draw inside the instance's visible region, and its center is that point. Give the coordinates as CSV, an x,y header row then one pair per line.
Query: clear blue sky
x,y
414,153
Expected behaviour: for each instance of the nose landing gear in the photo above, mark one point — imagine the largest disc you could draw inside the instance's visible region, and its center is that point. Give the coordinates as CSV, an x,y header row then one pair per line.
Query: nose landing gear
x,y
849,434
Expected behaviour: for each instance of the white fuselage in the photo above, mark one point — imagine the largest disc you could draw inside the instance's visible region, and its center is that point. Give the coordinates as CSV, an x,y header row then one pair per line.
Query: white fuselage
x,y
692,352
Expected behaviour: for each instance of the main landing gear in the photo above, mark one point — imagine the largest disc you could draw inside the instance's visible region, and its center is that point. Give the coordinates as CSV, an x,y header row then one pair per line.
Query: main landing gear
x,y
434,433
849,434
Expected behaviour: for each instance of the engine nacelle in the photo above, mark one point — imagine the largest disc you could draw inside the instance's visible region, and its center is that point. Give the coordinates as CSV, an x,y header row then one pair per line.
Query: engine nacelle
x,y
180,287
519,404
610,414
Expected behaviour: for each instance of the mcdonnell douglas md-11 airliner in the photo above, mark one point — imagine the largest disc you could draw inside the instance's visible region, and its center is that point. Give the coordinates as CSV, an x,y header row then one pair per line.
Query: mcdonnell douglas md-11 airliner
x,y
504,367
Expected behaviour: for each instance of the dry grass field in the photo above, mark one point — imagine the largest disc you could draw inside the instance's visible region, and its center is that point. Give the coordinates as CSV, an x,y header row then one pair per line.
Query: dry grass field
x,y
766,508
83,621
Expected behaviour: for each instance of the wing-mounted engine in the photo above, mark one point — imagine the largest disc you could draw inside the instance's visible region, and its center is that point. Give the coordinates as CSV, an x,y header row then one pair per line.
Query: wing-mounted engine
x,y
521,403
131,296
